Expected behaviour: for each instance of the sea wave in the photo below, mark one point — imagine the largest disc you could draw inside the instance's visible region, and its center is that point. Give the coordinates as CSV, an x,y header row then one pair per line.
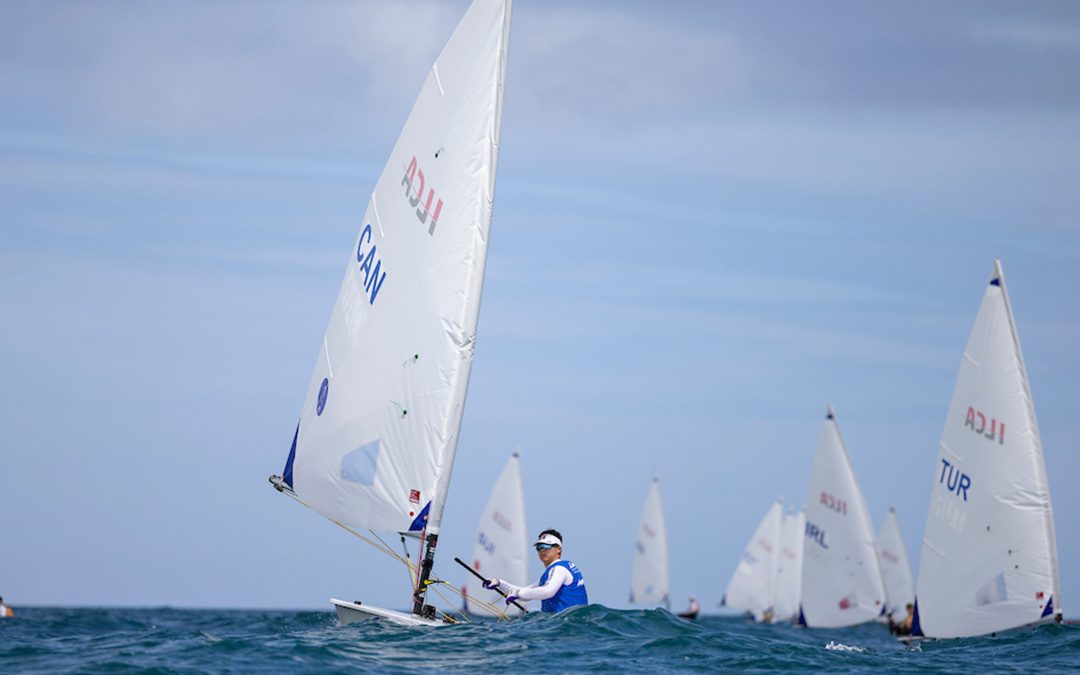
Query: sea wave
x,y
593,638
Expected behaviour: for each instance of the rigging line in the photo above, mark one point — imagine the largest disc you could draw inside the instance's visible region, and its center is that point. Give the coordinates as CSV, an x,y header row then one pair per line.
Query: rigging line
x,y
419,557
449,603
498,612
494,608
405,550
382,548
407,561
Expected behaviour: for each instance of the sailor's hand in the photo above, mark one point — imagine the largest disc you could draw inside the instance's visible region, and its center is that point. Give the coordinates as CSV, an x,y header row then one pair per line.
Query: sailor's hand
x,y
510,599
491,584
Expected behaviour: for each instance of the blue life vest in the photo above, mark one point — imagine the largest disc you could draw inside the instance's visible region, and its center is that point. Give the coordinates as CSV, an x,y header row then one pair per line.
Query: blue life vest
x,y
569,595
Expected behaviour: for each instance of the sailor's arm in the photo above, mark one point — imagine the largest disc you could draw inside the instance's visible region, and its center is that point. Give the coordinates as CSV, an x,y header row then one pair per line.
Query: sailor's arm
x,y
559,577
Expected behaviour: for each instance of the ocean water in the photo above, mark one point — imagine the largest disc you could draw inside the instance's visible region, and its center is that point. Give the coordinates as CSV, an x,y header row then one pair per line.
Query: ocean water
x,y
594,638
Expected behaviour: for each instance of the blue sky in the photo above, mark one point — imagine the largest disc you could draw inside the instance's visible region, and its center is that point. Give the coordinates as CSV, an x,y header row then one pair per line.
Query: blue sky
x,y
712,220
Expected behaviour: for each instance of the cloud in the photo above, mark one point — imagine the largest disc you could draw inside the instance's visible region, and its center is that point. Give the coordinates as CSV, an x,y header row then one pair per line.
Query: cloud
x,y
227,72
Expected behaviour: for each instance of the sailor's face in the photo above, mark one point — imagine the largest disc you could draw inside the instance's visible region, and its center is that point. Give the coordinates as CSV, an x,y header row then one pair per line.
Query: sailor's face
x,y
549,555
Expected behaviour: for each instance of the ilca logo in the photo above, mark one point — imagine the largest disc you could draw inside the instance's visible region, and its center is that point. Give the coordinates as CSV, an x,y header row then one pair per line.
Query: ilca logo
x,y
414,175
502,521
976,421
834,503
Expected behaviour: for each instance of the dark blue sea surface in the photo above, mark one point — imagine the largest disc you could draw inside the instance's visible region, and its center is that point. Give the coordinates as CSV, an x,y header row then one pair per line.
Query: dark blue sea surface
x,y
594,638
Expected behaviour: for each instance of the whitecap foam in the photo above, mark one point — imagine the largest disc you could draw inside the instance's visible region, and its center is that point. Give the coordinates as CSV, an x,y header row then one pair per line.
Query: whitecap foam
x,y
839,647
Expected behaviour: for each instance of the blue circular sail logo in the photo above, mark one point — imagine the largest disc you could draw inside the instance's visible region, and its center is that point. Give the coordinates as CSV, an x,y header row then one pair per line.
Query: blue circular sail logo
x,y
323,391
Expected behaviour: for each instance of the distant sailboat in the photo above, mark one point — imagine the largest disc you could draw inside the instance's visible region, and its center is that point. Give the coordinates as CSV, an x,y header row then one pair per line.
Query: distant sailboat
x,y
989,558
649,584
841,580
752,587
379,428
788,585
895,569
501,548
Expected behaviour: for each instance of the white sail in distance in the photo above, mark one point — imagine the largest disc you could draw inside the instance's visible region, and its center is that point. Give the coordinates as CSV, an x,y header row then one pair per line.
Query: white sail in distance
x,y
378,431
753,583
649,583
501,548
989,556
788,585
841,580
895,568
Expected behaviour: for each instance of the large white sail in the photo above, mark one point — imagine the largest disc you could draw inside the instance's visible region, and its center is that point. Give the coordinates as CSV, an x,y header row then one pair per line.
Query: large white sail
x,y
841,581
989,558
378,431
752,585
789,567
649,584
895,568
375,444
501,548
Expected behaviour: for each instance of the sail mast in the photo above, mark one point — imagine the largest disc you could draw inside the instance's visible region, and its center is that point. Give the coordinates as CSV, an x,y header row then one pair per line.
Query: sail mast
x,y
474,284
465,337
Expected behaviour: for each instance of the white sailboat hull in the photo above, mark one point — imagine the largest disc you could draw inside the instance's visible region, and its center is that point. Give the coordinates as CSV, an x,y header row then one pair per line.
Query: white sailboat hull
x,y
355,612
1026,628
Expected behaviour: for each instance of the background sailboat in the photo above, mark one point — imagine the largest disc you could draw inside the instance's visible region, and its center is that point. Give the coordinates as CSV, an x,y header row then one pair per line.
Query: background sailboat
x,y
649,583
989,557
501,548
895,569
788,584
378,431
841,580
753,583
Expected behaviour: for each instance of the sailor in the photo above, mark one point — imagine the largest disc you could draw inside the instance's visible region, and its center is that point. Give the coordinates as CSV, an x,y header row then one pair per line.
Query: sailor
x,y
561,585
904,627
5,611
691,611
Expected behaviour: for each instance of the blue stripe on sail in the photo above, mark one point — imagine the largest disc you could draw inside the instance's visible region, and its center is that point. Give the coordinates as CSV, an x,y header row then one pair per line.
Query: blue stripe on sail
x,y
420,521
996,281
287,473
1049,609
916,629
802,617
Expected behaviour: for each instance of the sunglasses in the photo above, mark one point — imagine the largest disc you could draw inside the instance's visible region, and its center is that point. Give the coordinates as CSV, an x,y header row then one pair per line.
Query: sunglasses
x,y
543,547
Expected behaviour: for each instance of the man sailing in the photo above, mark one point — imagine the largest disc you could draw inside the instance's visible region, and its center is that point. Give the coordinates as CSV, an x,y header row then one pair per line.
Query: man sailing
x,y
561,585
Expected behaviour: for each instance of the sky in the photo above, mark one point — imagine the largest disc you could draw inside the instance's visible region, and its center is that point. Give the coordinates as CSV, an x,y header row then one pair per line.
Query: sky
x,y
712,221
